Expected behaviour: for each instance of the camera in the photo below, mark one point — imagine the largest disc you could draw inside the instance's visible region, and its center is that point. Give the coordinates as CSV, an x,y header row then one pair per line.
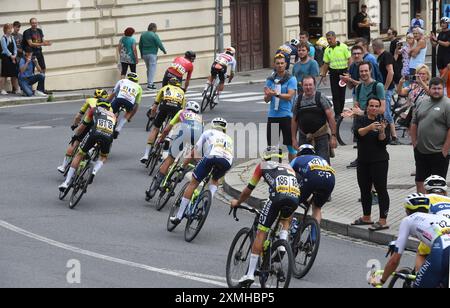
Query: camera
x,y
399,44
411,77
379,118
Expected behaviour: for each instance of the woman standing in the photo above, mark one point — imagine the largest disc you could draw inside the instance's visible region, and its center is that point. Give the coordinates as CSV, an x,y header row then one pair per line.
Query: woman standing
x,y
128,52
372,132
405,53
9,63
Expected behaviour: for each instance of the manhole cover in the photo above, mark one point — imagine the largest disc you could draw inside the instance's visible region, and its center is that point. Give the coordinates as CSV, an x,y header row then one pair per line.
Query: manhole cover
x,y
36,127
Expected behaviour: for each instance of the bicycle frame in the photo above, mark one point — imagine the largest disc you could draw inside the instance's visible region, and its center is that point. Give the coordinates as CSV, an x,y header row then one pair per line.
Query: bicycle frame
x,y
190,210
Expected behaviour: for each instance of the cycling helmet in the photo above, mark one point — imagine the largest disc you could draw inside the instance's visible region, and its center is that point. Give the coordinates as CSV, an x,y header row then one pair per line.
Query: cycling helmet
x,y
100,93
190,55
445,19
219,123
295,42
104,104
435,183
272,153
133,77
175,82
306,149
230,50
193,106
416,201
322,42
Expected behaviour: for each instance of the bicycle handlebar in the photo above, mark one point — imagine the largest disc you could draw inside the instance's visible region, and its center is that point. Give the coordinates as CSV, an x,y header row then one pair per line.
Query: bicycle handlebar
x,y
244,207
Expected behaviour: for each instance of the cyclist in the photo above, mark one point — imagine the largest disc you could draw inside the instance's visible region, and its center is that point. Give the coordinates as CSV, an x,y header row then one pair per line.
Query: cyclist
x,y
190,130
99,95
315,178
126,94
99,122
170,100
289,49
179,67
219,153
429,229
223,62
284,199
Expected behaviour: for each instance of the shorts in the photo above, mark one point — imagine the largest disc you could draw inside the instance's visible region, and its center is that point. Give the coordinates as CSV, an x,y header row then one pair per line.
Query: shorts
x,y
121,102
218,69
168,76
93,138
125,68
187,135
284,126
165,111
430,164
283,204
319,184
221,167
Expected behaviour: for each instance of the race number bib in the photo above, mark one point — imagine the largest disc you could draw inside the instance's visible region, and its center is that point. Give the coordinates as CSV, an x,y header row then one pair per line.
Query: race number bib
x,y
105,126
179,68
287,185
128,93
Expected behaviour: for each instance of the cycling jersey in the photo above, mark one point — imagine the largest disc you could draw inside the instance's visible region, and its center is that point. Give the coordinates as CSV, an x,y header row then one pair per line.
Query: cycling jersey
x,y
181,66
189,131
102,124
171,95
129,91
89,103
425,227
187,117
217,144
227,61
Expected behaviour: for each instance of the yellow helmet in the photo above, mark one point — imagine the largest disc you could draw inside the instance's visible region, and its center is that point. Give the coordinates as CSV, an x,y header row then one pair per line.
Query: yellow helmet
x,y
416,201
104,104
100,93
322,42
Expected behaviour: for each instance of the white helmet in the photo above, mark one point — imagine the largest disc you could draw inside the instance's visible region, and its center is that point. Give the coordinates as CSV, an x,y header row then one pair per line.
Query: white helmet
x,y
295,42
193,106
445,19
219,123
230,50
435,183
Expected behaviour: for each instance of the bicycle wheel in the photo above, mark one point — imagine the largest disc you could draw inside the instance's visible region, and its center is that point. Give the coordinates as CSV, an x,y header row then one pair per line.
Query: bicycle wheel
x,y
399,282
213,102
174,208
305,247
165,195
280,267
151,190
149,125
62,195
155,159
197,219
239,257
206,98
79,187
344,130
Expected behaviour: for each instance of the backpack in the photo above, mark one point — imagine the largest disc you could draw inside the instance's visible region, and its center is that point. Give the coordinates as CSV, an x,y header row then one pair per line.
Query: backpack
x,y
372,94
306,115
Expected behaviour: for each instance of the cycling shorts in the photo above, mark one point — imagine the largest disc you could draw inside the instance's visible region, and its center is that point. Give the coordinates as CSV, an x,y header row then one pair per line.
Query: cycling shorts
x,y
165,112
93,138
187,135
168,76
121,102
219,70
221,167
284,205
319,184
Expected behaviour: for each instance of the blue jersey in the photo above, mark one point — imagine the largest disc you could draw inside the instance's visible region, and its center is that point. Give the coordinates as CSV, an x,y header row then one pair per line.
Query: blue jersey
x,y
311,164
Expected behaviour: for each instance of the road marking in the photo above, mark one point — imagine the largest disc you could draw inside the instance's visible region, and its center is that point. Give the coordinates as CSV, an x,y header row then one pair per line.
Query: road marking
x,y
36,122
180,274
246,99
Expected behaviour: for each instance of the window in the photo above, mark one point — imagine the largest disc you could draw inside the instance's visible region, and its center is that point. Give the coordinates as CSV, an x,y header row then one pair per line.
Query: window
x,y
385,15
353,9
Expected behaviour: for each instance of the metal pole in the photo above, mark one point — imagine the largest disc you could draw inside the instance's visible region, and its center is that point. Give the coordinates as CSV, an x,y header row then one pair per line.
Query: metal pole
x,y
216,28
433,53
220,25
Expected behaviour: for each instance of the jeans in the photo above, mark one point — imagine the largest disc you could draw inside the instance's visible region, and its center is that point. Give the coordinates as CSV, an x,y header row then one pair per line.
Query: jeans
x,y
388,112
150,62
26,83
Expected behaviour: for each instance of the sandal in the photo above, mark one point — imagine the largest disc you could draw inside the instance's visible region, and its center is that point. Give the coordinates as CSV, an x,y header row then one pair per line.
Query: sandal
x,y
361,222
377,227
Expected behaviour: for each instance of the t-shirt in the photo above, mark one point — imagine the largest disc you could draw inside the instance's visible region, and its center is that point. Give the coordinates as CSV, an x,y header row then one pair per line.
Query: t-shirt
x,y
393,46
149,43
443,53
368,57
433,121
310,68
361,31
370,149
280,108
36,36
126,50
383,60
367,91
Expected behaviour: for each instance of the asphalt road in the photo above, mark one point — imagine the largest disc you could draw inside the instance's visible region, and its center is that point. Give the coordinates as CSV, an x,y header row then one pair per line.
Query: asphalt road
x,y
113,236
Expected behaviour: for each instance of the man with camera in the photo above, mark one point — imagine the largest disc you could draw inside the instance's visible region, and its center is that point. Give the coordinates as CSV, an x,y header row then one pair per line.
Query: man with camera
x,y
27,76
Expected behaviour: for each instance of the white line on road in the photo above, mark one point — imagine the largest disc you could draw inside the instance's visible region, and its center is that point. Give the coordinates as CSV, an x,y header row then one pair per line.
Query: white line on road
x,y
185,275
245,99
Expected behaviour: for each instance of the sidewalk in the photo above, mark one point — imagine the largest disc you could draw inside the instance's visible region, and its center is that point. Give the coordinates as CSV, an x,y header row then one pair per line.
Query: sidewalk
x,y
344,207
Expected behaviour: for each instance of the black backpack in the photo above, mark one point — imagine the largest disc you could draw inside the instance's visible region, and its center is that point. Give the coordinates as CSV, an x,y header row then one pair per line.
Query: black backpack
x,y
306,119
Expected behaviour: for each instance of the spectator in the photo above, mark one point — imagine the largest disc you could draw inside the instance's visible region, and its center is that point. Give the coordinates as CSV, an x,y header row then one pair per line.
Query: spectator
x,y
304,38
418,53
280,91
307,66
443,43
353,78
373,164
9,60
127,52
336,60
386,64
405,53
34,38
149,44
392,36
430,134
18,37
368,57
289,49
417,88
27,76
416,22
446,78
314,120
361,23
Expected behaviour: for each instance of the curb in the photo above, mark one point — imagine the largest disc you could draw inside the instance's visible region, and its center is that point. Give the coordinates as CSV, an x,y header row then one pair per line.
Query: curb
x,y
330,225
37,100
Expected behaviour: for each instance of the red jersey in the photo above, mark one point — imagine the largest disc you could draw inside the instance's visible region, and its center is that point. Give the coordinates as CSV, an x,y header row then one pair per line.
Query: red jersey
x,y
181,66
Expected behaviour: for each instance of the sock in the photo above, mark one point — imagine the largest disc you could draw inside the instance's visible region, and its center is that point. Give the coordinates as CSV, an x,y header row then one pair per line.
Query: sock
x,y
97,167
252,266
121,124
283,235
184,203
148,147
213,190
70,175
66,161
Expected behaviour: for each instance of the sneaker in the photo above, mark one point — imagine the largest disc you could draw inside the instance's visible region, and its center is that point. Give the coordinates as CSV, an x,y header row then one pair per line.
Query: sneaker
x,y
153,87
144,159
247,279
61,169
116,134
18,92
3,92
63,187
39,93
395,141
175,220
353,164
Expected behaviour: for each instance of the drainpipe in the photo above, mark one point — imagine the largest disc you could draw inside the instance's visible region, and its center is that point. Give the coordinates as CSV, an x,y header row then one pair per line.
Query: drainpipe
x,y
433,52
